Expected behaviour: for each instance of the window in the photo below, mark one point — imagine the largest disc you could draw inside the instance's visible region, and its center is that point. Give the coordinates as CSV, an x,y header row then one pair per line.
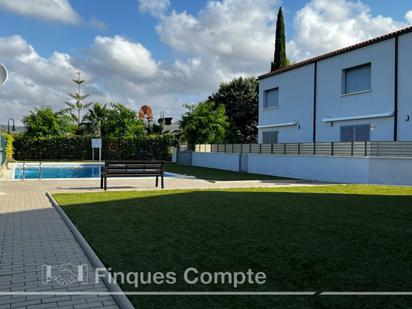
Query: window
x,y
355,133
271,98
356,79
270,137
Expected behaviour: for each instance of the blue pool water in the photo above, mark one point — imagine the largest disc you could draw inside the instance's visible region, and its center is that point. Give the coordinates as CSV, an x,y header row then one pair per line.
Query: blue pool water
x,y
58,171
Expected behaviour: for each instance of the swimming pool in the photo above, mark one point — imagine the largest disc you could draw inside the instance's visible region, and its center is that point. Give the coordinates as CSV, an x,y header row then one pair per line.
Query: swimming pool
x,y
51,171
61,171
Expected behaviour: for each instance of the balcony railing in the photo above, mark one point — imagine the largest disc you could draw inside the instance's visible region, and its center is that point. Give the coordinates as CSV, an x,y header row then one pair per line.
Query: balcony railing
x,y
338,149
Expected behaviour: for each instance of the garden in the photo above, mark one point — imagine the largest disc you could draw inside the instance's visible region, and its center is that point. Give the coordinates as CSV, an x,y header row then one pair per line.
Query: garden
x,y
323,238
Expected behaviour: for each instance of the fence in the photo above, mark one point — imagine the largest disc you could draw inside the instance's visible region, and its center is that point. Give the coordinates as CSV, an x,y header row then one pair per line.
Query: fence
x,y
341,149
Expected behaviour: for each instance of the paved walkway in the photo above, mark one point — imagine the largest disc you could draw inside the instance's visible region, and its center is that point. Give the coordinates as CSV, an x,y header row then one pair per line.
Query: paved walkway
x,y
32,235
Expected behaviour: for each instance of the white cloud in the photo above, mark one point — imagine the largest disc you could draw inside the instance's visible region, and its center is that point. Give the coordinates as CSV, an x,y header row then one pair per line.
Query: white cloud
x,y
238,35
408,17
325,25
54,10
33,80
123,57
155,8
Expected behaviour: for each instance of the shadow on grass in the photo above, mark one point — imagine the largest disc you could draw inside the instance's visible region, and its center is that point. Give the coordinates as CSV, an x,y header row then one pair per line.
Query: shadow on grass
x,y
213,175
302,241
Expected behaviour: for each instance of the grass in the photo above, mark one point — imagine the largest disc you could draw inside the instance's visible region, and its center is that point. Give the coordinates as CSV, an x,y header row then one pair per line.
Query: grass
x,y
212,174
325,238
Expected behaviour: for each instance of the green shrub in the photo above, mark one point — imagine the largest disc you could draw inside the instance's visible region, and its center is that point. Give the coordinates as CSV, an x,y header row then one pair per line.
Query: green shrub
x,y
9,147
79,148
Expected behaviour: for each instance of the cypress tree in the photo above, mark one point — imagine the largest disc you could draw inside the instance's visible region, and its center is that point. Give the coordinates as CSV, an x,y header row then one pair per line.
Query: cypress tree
x,y
280,59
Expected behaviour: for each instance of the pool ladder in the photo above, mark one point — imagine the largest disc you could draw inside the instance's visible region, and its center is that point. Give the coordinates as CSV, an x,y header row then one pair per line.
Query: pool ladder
x,y
24,170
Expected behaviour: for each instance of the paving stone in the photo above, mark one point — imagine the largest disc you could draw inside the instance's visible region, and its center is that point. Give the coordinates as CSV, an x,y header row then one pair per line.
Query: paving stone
x,y
33,234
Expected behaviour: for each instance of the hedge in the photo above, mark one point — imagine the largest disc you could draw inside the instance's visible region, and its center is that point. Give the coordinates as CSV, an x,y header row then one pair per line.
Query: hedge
x,y
79,148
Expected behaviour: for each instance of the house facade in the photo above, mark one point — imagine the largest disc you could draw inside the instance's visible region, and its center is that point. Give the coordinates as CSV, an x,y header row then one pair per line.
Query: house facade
x,y
359,93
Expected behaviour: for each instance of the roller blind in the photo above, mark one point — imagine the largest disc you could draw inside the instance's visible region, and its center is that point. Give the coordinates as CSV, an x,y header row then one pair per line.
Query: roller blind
x,y
357,79
271,98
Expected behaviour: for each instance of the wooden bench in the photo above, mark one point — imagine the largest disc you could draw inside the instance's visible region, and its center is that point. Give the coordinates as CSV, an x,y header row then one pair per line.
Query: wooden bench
x,y
131,169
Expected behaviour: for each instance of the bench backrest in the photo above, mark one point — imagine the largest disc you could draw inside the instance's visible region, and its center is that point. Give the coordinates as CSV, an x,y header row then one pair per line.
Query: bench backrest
x,y
134,167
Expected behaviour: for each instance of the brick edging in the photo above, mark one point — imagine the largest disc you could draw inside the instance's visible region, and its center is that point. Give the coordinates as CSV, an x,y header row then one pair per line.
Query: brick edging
x,y
111,285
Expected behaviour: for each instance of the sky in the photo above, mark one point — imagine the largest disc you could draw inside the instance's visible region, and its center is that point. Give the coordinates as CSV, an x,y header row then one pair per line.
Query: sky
x,y
166,53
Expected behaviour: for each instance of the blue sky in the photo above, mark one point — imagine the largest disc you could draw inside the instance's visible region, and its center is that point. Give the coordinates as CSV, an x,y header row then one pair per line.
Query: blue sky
x,y
166,53
123,17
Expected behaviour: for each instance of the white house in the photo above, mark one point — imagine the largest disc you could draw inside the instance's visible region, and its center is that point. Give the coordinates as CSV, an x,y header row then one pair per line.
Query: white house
x,y
359,93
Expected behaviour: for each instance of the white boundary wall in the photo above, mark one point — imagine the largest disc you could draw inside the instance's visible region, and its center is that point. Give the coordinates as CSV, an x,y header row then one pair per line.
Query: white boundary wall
x,y
335,169
219,160
390,171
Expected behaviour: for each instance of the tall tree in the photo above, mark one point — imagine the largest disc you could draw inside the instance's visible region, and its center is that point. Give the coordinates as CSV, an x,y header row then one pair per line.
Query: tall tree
x,y
204,123
280,59
77,107
240,99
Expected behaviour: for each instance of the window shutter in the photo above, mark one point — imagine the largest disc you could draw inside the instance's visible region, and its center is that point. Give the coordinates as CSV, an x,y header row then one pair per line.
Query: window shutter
x,y
357,79
272,98
270,137
355,133
362,133
347,133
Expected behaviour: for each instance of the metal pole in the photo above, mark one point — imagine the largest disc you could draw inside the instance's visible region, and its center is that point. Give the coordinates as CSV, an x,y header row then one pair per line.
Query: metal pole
x,y
99,126
24,170
40,170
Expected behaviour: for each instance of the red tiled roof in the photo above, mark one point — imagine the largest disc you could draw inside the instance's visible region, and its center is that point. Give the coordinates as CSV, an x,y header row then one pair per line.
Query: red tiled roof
x,y
338,52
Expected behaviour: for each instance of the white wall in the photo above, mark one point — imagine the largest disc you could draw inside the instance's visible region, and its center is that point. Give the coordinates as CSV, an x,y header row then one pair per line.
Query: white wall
x,y
404,87
331,103
219,160
293,105
335,169
389,171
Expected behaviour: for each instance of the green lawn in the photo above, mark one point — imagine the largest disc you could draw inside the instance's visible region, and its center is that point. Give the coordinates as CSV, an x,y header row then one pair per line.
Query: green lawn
x,y
212,174
329,238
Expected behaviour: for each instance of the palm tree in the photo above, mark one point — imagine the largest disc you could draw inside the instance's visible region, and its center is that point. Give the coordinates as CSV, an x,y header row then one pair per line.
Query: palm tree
x,y
94,118
76,108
